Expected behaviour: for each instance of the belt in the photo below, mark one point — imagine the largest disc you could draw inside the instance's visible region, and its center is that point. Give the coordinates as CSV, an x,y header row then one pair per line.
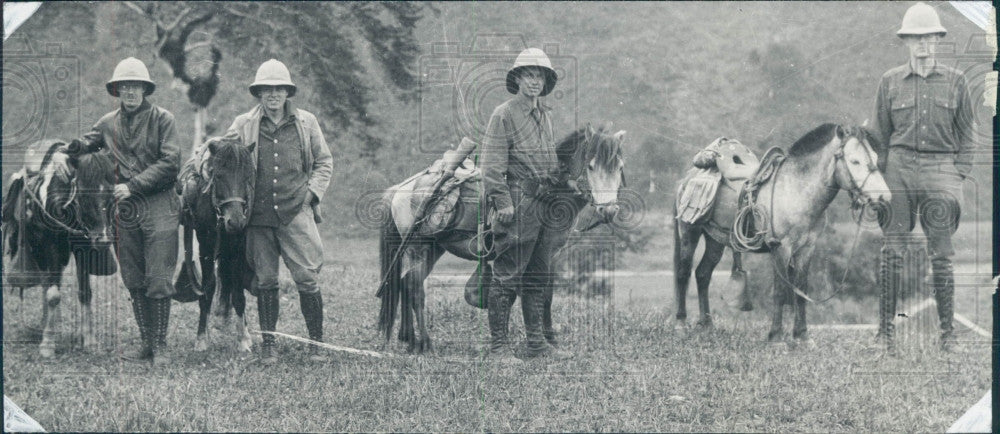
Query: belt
x,y
533,187
931,154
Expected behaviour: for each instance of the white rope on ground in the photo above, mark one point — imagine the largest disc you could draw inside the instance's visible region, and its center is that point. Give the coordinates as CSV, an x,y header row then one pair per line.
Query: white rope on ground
x,y
966,322
326,345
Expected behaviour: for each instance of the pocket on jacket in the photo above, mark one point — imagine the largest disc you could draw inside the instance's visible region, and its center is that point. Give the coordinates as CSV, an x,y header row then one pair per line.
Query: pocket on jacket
x,y
902,110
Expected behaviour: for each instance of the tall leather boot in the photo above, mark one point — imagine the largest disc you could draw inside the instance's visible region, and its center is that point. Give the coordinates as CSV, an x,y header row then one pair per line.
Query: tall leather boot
x,y
944,295
159,320
140,309
267,315
889,280
312,311
532,305
501,299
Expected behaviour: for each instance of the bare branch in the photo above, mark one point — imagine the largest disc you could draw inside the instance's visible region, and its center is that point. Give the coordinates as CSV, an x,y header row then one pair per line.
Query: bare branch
x,y
197,45
145,13
180,18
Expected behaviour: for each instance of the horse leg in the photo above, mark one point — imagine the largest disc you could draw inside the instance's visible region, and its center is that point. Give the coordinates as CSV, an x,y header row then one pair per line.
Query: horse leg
x,y
243,342
85,295
739,278
206,246
776,332
703,276
411,279
418,303
48,346
799,331
685,242
232,272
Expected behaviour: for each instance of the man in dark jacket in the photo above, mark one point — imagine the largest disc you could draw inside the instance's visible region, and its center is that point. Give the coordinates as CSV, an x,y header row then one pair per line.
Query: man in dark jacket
x,y
140,138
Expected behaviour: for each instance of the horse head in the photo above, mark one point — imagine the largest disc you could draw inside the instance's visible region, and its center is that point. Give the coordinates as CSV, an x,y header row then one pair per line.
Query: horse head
x,y
856,167
90,191
231,167
593,158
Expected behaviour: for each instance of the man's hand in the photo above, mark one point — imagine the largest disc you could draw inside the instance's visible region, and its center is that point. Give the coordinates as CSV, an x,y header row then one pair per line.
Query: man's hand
x,y
122,192
506,215
60,163
309,198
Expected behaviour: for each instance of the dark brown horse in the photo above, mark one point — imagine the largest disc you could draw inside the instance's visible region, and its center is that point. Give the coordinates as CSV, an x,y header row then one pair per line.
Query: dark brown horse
x,y
592,158
215,185
46,217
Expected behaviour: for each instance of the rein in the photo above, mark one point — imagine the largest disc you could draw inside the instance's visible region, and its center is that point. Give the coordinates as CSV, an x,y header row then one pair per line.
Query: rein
x,y
50,217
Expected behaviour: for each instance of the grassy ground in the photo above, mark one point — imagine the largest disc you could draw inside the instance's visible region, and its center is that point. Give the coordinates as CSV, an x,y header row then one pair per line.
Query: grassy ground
x,y
630,371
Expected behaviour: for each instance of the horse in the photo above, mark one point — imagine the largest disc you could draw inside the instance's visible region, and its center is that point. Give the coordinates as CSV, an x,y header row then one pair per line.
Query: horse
x,y
215,188
713,226
788,212
47,217
591,158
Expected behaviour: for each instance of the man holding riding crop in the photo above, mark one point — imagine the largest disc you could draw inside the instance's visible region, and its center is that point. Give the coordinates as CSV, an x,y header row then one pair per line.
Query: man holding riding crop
x,y
293,168
140,137
519,166
923,114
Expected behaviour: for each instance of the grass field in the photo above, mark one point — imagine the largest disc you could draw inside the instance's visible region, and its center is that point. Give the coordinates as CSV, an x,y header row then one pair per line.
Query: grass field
x,y
631,371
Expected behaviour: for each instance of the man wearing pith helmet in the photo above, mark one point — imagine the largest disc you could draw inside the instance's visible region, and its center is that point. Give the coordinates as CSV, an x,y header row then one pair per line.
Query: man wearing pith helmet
x,y
923,114
293,168
140,138
519,166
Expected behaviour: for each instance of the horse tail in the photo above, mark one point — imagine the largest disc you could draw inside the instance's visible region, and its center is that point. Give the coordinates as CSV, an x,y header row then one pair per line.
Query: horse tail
x,y
390,241
9,226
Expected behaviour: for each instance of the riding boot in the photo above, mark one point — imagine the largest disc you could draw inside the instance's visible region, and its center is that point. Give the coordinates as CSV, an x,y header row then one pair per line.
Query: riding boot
x,y
500,302
531,308
140,309
889,280
944,295
267,313
312,311
159,320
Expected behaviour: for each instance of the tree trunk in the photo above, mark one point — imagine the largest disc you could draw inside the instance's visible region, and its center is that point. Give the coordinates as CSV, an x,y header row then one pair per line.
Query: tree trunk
x,y
199,127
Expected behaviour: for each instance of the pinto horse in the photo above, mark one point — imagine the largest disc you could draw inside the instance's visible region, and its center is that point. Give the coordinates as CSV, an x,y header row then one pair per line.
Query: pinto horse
x,y
592,158
789,210
46,217
215,187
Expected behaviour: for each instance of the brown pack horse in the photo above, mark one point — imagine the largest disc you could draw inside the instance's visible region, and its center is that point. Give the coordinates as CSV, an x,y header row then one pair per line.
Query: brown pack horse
x,y
792,202
593,160
45,218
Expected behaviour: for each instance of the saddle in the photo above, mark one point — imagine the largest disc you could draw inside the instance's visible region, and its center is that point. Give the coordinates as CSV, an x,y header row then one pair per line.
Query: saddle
x,y
449,209
756,234
700,193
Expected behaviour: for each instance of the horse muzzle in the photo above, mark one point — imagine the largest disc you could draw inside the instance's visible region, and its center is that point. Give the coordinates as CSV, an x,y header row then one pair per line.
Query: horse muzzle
x,y
607,212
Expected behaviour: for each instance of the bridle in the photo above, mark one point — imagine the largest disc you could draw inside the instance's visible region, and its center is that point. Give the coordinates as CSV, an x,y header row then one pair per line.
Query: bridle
x,y
216,203
854,189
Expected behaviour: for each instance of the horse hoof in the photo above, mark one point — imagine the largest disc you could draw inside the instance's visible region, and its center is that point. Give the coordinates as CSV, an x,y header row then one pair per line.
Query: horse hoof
x,y
200,345
47,352
705,324
805,344
680,325
243,346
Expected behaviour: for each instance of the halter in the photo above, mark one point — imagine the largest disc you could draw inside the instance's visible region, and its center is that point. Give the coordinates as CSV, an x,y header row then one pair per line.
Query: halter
x,y
583,184
210,189
855,190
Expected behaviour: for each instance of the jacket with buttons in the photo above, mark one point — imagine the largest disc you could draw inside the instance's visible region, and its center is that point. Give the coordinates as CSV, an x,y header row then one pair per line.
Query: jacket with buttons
x,y
317,161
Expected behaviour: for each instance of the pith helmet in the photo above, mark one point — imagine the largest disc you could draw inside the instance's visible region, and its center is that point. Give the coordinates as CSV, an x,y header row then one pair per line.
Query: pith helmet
x,y
921,19
532,57
273,73
130,69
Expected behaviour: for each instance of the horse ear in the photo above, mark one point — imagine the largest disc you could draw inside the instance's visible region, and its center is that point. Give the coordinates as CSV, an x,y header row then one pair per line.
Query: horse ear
x,y
252,145
589,133
213,146
620,136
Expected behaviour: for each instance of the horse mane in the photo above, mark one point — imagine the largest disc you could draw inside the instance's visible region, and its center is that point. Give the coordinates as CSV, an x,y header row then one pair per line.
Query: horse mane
x,y
230,155
94,167
813,140
602,148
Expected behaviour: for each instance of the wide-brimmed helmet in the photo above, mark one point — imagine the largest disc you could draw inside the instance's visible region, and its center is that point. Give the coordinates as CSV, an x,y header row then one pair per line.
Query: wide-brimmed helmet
x,y
532,57
921,19
272,73
130,69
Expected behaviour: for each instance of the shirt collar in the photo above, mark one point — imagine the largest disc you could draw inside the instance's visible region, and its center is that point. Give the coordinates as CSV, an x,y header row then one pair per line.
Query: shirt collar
x,y
142,107
935,69
290,112
525,104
